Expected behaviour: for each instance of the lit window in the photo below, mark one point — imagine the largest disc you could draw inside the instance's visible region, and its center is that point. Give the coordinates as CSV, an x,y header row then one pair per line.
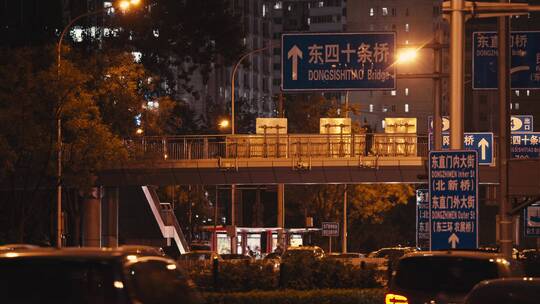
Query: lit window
x,y
289,8
528,93
278,5
517,92
76,34
308,21
407,27
371,12
406,108
264,10
406,91
385,109
371,107
109,7
393,93
383,124
385,11
320,4
517,106
136,56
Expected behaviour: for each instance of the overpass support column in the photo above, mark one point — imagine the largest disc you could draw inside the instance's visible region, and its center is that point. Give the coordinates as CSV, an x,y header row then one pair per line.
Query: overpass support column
x,y
92,218
281,215
234,237
109,233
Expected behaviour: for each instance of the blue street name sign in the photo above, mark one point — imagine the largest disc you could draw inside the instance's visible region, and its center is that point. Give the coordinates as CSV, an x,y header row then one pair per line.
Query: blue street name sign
x,y
338,61
525,67
482,142
525,145
422,219
521,123
453,208
531,220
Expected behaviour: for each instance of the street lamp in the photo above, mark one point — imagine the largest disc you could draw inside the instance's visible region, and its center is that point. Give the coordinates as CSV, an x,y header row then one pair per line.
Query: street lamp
x,y
233,77
224,124
124,5
407,55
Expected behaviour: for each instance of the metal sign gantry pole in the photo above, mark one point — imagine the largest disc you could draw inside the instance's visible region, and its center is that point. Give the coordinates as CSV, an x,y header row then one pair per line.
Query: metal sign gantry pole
x,y
458,11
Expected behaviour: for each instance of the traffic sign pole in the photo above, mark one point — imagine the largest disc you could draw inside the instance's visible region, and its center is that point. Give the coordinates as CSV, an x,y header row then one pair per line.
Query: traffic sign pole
x,y
457,35
505,241
437,91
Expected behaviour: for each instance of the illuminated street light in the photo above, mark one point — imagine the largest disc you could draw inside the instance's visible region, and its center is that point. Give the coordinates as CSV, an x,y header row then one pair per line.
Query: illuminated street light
x,y
139,131
224,124
124,5
407,55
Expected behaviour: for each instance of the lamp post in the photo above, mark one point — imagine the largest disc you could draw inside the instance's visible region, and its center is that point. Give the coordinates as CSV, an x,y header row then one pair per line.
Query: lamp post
x,y
233,77
122,5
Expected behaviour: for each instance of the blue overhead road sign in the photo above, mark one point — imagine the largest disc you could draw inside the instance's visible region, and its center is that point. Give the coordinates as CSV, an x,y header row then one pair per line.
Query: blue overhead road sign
x,y
482,142
521,123
453,185
525,65
338,61
525,145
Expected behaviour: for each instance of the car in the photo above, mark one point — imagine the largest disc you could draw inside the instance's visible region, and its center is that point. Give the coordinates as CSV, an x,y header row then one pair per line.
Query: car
x,y
274,259
445,276
353,258
524,290
235,258
385,259
391,254
92,275
198,258
302,252
12,247
531,262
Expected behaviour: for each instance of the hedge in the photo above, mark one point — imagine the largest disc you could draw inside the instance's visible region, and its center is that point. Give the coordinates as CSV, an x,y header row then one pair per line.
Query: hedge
x,y
301,274
317,296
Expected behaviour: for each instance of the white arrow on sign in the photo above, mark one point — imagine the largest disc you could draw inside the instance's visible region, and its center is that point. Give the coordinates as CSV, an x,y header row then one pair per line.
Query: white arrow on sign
x,y
483,144
294,53
454,240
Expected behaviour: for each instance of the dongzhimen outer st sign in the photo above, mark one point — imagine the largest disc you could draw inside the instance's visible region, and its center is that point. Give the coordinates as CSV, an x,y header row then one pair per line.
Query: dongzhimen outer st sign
x,y
453,196
338,61
525,60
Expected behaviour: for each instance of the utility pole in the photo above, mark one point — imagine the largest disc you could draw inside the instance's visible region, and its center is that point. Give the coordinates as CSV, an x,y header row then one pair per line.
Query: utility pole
x,y
457,34
437,89
505,221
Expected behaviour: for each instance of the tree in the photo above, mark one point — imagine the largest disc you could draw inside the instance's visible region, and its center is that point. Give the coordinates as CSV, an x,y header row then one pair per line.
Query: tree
x,y
33,95
176,39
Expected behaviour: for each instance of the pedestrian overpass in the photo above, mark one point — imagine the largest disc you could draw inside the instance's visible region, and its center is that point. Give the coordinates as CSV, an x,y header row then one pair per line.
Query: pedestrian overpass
x,y
285,159
291,159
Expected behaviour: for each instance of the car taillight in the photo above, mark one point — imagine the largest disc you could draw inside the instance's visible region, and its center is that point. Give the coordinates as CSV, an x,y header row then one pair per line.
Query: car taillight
x,y
395,299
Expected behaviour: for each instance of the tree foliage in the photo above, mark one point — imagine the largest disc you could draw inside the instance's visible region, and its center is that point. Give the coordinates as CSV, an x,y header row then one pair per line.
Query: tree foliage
x,y
365,202
97,104
175,38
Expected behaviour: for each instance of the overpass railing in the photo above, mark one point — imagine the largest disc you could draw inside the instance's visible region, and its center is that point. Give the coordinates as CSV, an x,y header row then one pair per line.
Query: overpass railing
x,y
276,146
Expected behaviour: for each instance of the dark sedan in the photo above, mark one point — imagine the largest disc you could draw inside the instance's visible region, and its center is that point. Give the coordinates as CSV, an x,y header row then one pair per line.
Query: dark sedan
x,y
84,275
